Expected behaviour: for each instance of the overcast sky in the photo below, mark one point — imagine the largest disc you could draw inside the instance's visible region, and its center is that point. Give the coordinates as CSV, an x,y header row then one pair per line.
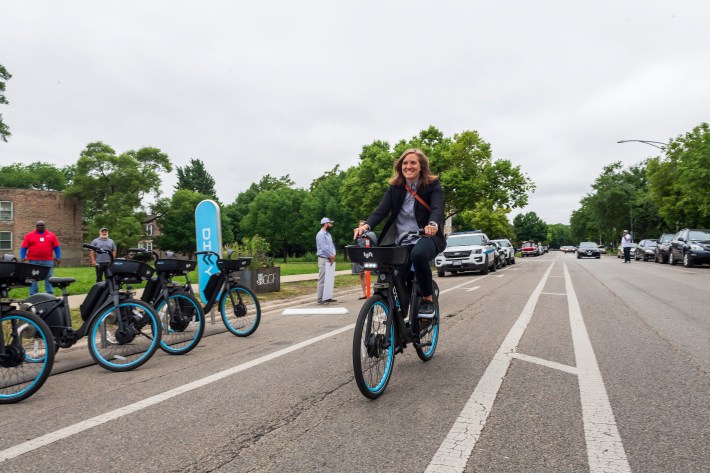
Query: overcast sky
x,y
283,87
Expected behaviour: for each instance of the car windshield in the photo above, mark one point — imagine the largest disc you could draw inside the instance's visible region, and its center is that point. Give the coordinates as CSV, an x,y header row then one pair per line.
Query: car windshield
x,y
666,237
699,235
502,242
464,240
587,244
651,243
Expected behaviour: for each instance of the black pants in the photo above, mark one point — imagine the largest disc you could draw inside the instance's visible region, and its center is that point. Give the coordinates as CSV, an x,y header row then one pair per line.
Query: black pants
x,y
627,254
423,252
101,271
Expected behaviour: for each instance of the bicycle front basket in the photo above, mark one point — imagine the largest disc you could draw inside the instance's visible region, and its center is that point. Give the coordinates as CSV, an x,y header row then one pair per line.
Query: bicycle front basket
x,y
382,255
233,264
176,266
21,274
131,269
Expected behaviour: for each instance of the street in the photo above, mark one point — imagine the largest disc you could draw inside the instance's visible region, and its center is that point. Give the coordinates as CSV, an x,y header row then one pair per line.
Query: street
x,y
551,364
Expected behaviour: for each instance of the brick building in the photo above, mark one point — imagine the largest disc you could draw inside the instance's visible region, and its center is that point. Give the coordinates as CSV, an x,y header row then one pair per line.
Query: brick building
x,y
21,208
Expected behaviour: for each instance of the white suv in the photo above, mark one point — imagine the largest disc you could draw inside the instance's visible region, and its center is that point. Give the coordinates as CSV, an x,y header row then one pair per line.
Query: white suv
x,y
466,251
509,250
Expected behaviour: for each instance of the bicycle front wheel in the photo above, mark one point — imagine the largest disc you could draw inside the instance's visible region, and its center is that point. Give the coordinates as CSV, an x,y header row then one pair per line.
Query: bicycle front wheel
x,y
241,313
373,350
123,338
26,355
182,322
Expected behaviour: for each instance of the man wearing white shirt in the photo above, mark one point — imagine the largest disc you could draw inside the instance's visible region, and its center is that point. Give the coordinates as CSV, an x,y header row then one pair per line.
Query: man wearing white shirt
x,y
626,246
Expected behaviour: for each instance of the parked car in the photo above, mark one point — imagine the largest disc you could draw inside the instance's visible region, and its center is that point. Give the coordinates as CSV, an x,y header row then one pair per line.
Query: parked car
x,y
529,248
567,249
620,250
466,251
663,248
501,254
691,246
588,249
646,250
509,249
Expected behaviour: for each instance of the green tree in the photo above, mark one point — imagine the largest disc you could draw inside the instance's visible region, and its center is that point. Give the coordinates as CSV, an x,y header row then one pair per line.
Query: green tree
x,y
177,222
194,177
4,76
529,226
113,188
559,234
276,215
678,183
493,222
325,199
240,207
37,175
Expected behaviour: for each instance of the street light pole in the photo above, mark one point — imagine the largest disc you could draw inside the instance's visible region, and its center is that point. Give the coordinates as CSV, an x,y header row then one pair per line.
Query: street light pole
x,y
656,144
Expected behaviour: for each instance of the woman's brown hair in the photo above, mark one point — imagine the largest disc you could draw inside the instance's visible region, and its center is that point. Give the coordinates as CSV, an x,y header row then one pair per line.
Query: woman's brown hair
x,y
425,175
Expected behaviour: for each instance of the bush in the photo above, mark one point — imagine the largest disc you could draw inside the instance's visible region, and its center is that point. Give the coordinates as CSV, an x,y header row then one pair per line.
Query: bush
x,y
258,248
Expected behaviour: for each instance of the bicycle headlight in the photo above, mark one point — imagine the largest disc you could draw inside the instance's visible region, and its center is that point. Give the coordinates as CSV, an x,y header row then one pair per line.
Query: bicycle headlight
x,y
370,265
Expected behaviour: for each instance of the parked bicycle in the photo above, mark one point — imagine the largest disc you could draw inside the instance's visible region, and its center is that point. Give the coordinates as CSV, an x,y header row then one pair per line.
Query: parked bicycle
x,y
237,304
388,320
123,332
26,346
180,313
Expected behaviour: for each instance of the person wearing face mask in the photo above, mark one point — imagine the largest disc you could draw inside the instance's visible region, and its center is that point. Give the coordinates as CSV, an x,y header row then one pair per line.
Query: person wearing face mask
x,y
414,200
37,248
101,261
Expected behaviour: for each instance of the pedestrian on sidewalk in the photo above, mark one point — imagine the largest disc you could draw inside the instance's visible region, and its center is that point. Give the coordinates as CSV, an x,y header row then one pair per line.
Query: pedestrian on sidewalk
x,y
626,246
101,261
325,248
37,248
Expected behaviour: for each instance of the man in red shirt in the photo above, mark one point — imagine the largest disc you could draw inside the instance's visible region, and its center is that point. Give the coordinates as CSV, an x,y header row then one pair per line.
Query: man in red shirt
x,y
37,248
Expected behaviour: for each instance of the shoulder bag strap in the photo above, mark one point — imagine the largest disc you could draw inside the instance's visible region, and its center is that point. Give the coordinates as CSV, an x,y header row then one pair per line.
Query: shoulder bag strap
x,y
414,194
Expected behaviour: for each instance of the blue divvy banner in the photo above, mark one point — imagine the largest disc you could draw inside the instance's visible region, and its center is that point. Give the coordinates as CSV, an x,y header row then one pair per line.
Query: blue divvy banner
x,y
208,229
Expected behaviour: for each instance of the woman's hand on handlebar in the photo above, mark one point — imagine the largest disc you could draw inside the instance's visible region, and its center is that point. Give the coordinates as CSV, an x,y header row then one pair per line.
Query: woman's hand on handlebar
x,y
362,228
430,230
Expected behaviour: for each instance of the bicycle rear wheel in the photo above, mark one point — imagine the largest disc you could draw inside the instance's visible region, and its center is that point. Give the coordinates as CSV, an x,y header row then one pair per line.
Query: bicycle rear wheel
x,y
373,351
126,348
182,322
242,316
26,355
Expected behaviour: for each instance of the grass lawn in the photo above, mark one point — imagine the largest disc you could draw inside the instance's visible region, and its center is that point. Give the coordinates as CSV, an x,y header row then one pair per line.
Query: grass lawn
x,y
86,277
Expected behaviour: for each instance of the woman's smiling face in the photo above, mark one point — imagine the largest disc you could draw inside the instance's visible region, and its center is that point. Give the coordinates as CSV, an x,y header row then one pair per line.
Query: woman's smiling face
x,y
411,168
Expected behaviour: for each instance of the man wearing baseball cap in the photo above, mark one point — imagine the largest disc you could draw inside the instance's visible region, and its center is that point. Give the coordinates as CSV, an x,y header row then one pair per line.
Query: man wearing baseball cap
x,y
325,248
626,246
101,261
37,248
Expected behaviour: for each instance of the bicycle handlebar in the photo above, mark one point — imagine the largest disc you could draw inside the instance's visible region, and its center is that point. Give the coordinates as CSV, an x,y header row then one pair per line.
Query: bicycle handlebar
x,y
404,235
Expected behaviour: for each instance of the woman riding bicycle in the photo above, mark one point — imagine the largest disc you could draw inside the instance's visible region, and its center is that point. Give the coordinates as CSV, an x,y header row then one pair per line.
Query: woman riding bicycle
x,y
413,200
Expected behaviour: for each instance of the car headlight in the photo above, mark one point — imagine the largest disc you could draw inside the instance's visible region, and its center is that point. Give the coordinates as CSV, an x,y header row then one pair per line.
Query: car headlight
x,y
696,247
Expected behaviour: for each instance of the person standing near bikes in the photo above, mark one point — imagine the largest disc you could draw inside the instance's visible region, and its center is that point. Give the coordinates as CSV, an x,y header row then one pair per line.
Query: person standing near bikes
x,y
413,200
37,248
326,255
102,261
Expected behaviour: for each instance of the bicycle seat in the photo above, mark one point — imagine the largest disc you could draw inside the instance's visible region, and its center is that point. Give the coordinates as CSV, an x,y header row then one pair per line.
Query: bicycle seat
x,y
61,282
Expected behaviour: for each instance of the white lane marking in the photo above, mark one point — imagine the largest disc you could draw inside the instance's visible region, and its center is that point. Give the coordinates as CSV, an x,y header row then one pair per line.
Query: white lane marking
x,y
316,311
554,294
57,435
460,285
455,450
548,363
500,276
605,451
473,288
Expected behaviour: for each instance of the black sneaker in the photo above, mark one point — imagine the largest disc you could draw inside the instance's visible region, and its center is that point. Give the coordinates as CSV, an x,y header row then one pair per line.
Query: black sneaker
x,y
319,301
331,300
426,310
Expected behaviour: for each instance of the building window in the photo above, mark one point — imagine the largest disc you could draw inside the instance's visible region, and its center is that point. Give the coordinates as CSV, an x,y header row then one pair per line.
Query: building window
x,y
149,229
5,210
146,244
5,240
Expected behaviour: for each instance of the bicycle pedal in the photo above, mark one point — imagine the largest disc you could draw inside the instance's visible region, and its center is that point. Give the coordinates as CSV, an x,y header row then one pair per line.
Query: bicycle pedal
x,y
422,345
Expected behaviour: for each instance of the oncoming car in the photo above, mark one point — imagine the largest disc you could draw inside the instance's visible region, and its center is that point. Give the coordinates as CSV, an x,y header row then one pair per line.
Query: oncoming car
x,y
588,249
466,251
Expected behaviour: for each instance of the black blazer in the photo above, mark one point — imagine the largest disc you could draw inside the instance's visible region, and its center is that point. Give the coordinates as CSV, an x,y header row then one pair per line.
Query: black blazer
x,y
391,204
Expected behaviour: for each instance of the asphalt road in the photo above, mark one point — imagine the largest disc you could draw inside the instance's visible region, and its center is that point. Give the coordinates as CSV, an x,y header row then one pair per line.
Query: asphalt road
x,y
552,364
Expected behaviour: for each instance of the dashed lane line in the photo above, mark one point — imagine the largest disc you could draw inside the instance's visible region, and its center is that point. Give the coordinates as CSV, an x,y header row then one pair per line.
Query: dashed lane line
x,y
60,434
455,450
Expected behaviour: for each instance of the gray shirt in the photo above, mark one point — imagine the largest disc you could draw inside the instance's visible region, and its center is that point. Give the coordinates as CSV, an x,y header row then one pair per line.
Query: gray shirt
x,y
406,221
324,244
104,244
